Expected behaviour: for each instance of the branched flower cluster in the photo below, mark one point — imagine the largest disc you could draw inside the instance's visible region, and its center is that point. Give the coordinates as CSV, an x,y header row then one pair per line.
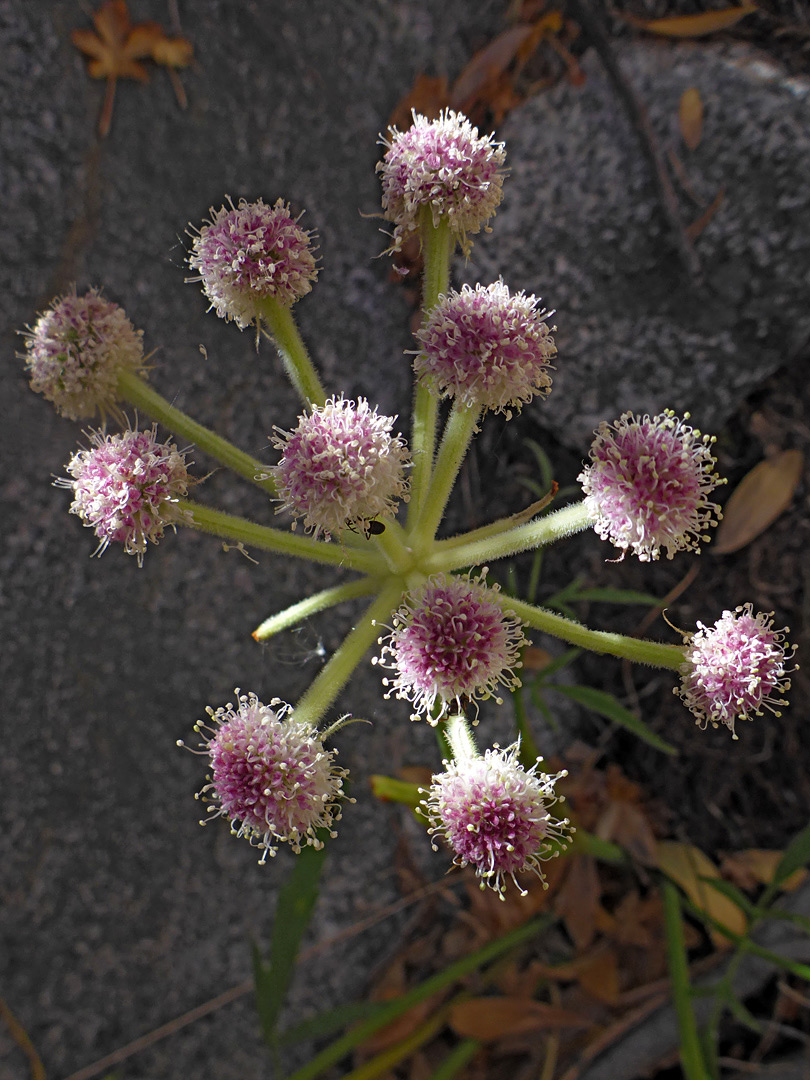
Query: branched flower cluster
x,y
454,639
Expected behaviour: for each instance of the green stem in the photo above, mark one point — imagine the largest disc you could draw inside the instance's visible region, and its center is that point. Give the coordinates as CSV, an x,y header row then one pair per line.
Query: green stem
x,y
243,531
311,605
280,327
459,736
470,550
437,248
336,673
691,1056
138,393
457,434
655,653
392,543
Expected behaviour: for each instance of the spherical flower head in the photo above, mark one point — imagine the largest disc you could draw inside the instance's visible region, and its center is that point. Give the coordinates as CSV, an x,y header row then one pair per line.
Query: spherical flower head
x,y
126,488
486,348
76,351
270,775
648,483
446,167
250,253
451,643
494,815
341,468
735,668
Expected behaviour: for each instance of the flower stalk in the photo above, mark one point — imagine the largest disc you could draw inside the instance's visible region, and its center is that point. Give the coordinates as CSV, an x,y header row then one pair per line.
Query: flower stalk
x,y
457,434
139,393
654,653
243,531
328,683
437,248
279,326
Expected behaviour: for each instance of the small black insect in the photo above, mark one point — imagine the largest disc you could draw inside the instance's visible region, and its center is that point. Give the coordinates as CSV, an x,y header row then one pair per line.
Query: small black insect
x,y
369,528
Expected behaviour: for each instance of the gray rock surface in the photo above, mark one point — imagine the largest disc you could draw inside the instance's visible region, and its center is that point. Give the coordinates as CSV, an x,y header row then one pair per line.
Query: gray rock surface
x,y
118,912
581,227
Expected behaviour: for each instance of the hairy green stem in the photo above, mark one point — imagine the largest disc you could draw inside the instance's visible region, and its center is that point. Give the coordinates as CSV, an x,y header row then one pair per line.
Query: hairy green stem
x,y
138,393
311,605
437,248
471,549
331,679
654,653
279,326
458,734
392,542
457,434
240,530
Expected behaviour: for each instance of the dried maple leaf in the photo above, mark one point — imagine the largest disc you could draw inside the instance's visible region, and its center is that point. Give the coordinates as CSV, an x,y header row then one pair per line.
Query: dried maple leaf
x,y
116,47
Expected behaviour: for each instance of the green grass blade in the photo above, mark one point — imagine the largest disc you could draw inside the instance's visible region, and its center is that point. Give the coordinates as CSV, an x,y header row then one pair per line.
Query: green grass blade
x,y
735,895
296,901
529,753
694,1067
617,596
389,789
456,1060
599,701
489,952
557,664
796,855
326,1023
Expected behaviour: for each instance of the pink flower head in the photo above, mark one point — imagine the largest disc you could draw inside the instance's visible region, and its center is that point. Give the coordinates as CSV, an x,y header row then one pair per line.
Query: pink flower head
x,y
647,485
271,777
249,253
487,348
446,167
452,642
735,668
126,487
494,815
341,467
77,350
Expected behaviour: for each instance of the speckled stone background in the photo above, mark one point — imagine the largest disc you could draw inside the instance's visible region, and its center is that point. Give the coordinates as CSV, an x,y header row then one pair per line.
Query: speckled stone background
x,y
118,911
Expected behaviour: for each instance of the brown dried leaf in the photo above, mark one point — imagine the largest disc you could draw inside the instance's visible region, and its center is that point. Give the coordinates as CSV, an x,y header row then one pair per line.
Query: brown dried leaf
x,y
690,117
116,45
686,865
427,96
758,500
172,52
691,26
496,1017
578,900
757,866
631,829
488,63
535,659
600,978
